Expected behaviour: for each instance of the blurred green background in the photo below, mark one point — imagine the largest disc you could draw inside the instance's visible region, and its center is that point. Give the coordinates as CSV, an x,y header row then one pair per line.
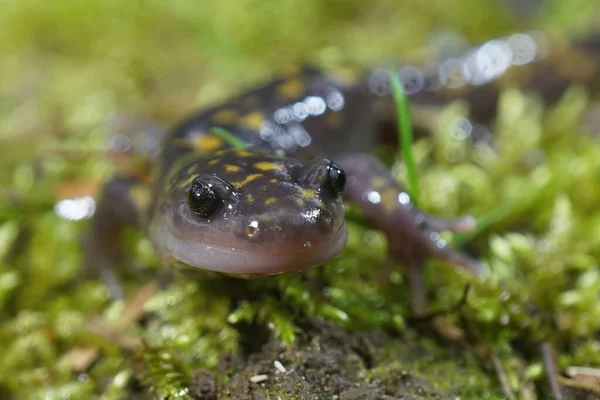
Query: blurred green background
x,y
67,67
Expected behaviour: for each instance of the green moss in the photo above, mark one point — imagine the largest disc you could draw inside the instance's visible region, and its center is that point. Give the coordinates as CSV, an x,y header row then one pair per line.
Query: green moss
x,y
67,67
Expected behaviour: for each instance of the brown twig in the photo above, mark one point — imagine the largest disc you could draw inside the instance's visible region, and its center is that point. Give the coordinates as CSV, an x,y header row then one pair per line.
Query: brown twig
x,y
502,377
551,366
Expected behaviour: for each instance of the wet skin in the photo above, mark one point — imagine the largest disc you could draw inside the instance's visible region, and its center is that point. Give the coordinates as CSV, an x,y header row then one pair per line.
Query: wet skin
x,y
276,206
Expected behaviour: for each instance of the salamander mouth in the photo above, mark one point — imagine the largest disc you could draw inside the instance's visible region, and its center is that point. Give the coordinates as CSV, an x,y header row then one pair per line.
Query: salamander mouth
x,y
230,260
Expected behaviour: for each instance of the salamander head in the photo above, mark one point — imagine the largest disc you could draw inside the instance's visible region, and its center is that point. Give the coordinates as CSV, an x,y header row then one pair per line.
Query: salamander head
x,y
254,214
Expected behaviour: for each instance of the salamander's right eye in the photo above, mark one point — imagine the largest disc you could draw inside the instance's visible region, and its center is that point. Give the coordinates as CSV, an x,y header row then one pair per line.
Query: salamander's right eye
x,y
325,174
336,178
204,199
208,195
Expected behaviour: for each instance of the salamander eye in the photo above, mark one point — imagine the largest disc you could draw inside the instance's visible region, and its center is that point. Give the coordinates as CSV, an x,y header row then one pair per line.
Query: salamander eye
x,y
324,173
336,178
208,195
203,199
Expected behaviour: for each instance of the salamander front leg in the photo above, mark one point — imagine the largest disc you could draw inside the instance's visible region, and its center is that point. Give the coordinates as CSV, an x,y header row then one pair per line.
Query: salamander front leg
x,y
412,234
117,207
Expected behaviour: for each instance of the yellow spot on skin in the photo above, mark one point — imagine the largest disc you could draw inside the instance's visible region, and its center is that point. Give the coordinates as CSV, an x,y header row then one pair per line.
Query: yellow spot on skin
x,y
250,198
214,162
187,181
270,201
232,168
268,166
291,89
308,194
252,120
225,117
247,180
243,153
273,180
389,200
140,196
379,183
346,76
205,143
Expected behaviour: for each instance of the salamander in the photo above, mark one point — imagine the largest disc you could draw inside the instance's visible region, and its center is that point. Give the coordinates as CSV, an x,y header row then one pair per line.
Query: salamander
x,y
277,204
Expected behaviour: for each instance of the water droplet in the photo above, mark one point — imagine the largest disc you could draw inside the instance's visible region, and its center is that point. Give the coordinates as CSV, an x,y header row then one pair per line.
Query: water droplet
x,y
300,111
403,198
453,74
315,104
252,228
461,128
335,100
373,197
412,78
523,47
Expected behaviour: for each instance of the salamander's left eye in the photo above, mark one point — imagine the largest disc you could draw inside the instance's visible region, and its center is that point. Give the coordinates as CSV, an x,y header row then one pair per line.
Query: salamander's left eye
x,y
208,195
203,199
336,178
324,173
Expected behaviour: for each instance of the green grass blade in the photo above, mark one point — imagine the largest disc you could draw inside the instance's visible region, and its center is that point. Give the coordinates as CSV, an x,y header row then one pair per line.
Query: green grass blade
x,y
228,137
405,137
